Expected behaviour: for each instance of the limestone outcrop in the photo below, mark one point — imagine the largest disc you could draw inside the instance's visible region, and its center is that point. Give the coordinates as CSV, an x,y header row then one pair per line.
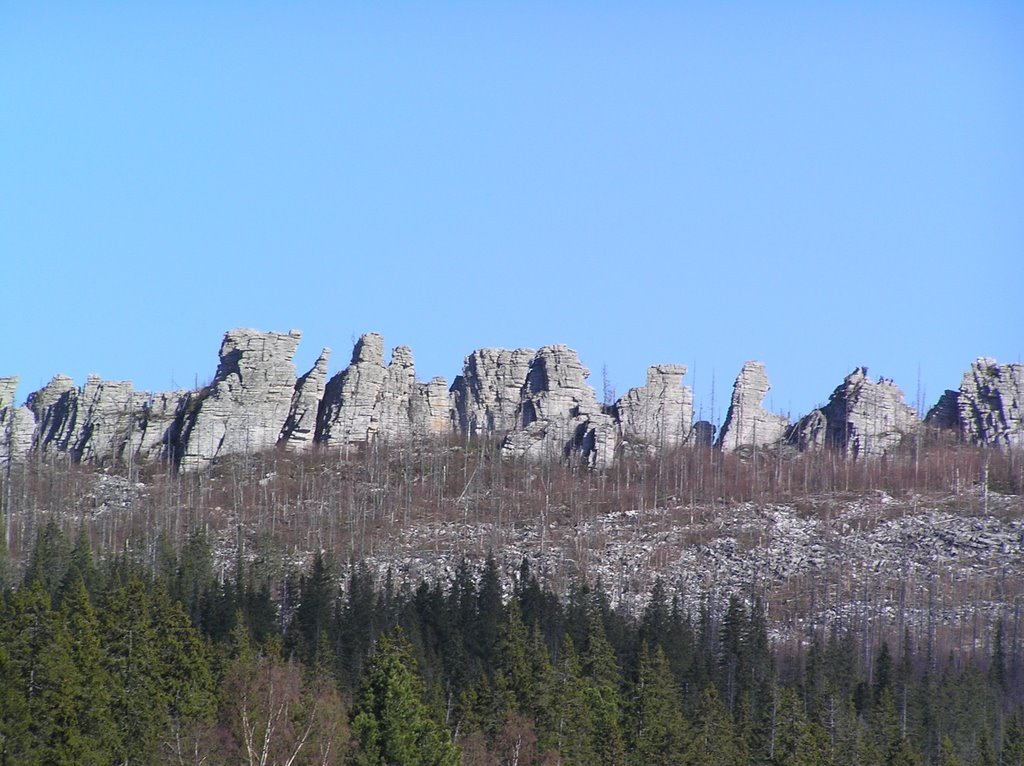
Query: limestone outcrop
x,y
486,395
863,418
747,423
300,428
659,414
245,407
991,403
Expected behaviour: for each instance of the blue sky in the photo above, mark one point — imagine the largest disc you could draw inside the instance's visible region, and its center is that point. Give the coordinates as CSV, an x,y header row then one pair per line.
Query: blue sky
x,y
815,185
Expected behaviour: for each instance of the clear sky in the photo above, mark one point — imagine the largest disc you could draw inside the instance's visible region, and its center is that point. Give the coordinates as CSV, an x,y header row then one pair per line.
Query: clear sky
x,y
815,185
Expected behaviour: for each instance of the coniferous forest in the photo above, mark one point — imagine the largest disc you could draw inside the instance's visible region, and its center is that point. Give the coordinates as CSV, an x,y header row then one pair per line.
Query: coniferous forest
x,y
121,663
228,617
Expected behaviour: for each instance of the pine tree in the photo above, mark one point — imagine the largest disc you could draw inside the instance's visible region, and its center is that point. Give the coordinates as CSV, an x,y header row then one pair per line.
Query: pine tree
x,y
602,693
714,741
138,698
1012,752
390,720
658,732
574,725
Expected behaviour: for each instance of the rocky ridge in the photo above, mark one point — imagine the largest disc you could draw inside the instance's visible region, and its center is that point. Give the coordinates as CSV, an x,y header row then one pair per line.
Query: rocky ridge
x,y
539,403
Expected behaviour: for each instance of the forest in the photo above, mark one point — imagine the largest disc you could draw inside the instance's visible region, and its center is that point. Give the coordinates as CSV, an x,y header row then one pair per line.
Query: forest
x,y
270,610
113,660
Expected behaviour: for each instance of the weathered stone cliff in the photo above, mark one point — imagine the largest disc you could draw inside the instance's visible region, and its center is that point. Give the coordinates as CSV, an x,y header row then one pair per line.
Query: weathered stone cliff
x,y
988,408
245,407
748,424
486,395
369,400
300,428
558,416
659,414
538,403
863,418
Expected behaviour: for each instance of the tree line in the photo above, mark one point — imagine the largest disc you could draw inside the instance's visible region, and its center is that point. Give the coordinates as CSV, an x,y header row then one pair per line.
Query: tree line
x,y
106,659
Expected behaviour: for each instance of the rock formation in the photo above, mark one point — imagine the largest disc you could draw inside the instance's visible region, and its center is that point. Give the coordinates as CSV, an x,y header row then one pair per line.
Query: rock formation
x,y
747,423
245,407
431,408
162,418
660,413
863,418
17,424
558,416
486,395
300,427
991,403
370,400
107,420
539,404
54,406
946,412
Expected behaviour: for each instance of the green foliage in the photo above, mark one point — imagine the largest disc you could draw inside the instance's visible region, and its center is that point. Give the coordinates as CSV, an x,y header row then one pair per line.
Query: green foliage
x,y
390,721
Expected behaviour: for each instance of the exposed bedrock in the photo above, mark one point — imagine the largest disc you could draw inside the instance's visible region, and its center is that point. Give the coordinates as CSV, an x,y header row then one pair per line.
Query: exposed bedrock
x,y
863,418
370,400
486,395
538,403
558,416
747,423
17,424
659,414
245,407
300,427
991,403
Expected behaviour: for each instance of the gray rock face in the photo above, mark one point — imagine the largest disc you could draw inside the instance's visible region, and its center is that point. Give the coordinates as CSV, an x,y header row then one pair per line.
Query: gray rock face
x,y
370,400
946,412
558,415
660,413
431,408
246,406
747,423
55,407
300,427
107,421
866,419
162,418
8,387
809,432
17,424
991,403
486,395
349,413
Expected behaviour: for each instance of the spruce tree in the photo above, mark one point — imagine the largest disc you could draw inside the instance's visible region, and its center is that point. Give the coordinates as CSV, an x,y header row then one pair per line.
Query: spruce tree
x,y
391,722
